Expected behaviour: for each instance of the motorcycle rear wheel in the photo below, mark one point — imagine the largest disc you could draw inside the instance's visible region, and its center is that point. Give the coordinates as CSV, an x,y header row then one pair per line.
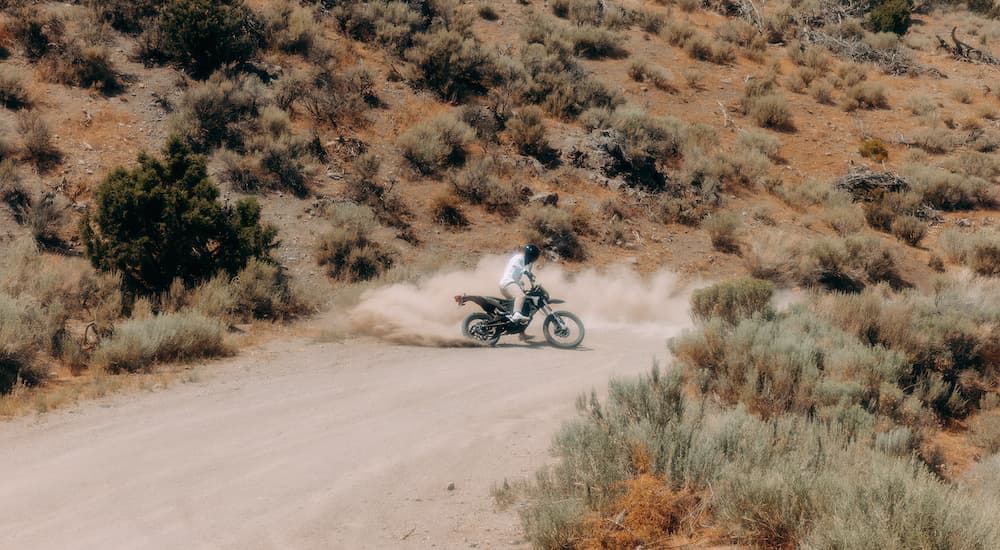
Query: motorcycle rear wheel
x,y
566,338
474,327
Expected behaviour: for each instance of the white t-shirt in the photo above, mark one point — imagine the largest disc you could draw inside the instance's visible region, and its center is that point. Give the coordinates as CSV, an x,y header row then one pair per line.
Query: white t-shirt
x,y
514,271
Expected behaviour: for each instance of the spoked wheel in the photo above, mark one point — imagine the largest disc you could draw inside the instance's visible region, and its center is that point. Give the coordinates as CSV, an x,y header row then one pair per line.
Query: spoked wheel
x,y
563,330
476,326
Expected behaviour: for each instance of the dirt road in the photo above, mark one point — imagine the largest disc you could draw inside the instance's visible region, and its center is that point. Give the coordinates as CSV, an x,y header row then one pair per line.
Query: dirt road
x,y
305,445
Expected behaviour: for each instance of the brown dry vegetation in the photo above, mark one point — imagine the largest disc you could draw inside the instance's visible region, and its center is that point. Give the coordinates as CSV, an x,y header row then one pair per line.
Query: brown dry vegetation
x,y
687,135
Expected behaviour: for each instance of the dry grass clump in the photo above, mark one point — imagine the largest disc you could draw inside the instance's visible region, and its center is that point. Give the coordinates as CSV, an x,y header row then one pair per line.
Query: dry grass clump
x,y
985,431
934,139
292,28
700,47
732,301
761,142
138,344
763,103
85,66
261,290
452,64
849,264
437,143
640,71
479,184
920,105
556,230
722,230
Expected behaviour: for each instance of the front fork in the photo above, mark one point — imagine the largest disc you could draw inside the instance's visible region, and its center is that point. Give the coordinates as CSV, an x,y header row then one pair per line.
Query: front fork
x,y
547,310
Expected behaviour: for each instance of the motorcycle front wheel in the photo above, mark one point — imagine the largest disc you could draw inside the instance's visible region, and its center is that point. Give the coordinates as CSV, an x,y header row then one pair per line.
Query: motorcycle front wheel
x,y
563,330
476,326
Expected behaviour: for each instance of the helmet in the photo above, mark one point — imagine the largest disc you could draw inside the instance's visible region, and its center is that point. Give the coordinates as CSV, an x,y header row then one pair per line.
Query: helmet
x,y
531,253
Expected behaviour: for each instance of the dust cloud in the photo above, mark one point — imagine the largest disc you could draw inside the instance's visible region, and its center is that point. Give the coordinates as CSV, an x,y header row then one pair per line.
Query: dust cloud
x,y
424,313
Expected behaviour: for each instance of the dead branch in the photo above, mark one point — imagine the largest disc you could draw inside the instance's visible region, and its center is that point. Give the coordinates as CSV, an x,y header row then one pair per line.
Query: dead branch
x,y
865,184
964,52
894,61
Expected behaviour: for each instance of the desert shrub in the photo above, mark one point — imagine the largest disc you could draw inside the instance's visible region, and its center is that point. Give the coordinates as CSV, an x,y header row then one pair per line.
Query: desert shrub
x,y
487,12
739,33
128,16
865,95
349,254
12,191
767,483
220,112
558,84
909,229
276,159
732,301
263,290
556,230
920,105
293,28
974,163
478,184
875,149
891,16
765,105
814,57
451,64
446,210
527,132
37,33
678,32
761,142
934,140
594,42
700,47
842,217
437,143
949,191
722,229
851,74
46,218
801,79
340,96
484,120
640,71
849,264
985,432
19,345
162,220
13,94
85,66
137,345
37,139
204,35
647,142
822,91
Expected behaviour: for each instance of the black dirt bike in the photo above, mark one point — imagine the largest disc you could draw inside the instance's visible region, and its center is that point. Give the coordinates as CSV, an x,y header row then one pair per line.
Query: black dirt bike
x,y
562,329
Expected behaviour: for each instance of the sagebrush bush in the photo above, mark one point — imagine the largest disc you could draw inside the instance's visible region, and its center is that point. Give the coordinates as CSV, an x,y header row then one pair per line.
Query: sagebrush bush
x,y
293,28
163,220
276,159
700,47
451,64
527,132
865,95
759,141
909,229
648,142
13,94
732,301
336,96
128,16
205,35
765,105
437,143
920,105
555,229
36,137
554,81
37,33
85,66
935,140
137,345
849,264
985,432
19,346
350,254
264,290
949,191
722,229
446,209
220,112
478,184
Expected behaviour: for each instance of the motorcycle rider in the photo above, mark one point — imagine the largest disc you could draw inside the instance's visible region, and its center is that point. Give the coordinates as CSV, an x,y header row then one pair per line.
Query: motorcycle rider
x,y
518,266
